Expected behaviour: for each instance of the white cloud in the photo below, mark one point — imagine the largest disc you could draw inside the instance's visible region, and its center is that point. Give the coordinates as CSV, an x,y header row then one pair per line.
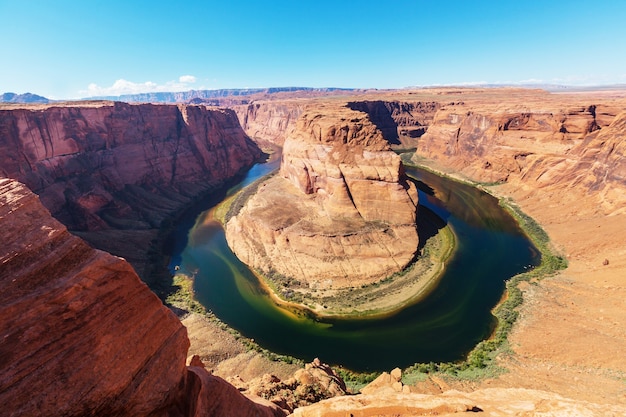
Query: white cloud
x,y
187,79
121,87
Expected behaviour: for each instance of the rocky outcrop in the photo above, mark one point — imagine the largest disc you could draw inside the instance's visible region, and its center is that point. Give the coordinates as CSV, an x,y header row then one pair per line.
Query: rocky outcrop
x,y
311,384
388,396
341,213
80,334
490,402
535,140
102,167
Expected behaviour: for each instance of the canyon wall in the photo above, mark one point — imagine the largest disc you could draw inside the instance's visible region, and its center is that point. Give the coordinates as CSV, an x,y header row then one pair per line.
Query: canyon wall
x,y
549,142
80,334
341,212
401,122
268,122
114,172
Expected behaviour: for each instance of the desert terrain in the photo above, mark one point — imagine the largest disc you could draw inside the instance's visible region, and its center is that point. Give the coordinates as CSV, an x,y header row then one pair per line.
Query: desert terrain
x,y
559,157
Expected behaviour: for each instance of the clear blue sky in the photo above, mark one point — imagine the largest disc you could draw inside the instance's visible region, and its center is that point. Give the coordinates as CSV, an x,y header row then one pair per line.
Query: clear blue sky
x,y
70,49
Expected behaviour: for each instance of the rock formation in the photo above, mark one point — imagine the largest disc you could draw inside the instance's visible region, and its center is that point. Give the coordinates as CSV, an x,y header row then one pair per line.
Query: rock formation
x,y
400,122
388,396
308,385
80,334
115,172
534,140
267,121
341,213
513,402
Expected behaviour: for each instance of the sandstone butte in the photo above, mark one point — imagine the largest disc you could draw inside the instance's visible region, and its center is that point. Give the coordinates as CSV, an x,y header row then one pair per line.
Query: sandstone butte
x,y
339,214
560,157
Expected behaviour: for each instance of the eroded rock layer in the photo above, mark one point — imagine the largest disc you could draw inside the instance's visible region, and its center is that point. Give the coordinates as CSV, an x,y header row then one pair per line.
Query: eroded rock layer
x,y
267,121
80,334
341,212
114,171
535,140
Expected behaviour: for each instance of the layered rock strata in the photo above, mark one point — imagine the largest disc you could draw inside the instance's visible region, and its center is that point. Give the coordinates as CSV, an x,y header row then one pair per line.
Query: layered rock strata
x,y
80,334
401,122
269,121
340,213
115,172
546,142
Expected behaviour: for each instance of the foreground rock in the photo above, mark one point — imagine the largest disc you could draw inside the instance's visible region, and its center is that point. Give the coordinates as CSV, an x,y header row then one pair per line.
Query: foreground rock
x,y
502,402
340,214
80,334
308,385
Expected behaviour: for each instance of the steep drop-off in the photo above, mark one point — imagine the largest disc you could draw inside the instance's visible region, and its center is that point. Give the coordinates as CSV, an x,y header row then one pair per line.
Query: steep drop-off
x,y
401,122
269,121
340,213
541,142
80,334
65,344
114,172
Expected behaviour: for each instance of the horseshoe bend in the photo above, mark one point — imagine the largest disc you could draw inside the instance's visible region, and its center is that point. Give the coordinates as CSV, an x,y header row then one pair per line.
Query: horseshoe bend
x,y
340,213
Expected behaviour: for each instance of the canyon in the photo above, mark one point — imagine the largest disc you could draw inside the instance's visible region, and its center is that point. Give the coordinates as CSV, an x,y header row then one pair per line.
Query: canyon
x,y
114,173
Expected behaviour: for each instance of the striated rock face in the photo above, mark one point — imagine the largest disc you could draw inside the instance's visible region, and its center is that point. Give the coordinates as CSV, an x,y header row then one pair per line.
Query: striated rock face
x,y
102,167
341,212
535,140
400,122
80,334
78,158
269,121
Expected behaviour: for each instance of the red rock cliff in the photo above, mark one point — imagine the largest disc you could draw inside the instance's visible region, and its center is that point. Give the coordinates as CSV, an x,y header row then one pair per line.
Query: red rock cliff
x,y
77,158
80,334
269,121
116,171
534,140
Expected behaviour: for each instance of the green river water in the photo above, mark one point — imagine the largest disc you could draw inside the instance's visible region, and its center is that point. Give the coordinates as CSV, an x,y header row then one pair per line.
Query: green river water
x,y
446,325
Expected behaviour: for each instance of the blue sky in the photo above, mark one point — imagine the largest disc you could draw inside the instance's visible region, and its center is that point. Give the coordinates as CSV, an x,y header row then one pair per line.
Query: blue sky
x,y
71,49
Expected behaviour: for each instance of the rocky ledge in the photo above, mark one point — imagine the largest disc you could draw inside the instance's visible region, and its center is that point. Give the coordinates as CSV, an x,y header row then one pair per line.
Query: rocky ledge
x,y
341,212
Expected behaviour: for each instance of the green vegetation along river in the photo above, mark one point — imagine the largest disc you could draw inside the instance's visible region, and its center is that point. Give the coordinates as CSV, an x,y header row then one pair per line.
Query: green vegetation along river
x,y
445,326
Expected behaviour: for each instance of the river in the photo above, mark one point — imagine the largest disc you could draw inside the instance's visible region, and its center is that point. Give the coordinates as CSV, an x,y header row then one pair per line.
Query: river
x,y
446,325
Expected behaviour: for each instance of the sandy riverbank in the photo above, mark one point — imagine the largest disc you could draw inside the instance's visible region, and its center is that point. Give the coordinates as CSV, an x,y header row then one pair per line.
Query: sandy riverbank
x,y
571,335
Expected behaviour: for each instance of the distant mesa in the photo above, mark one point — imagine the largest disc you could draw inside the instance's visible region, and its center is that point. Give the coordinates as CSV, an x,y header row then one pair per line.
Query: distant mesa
x,y
198,96
22,98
